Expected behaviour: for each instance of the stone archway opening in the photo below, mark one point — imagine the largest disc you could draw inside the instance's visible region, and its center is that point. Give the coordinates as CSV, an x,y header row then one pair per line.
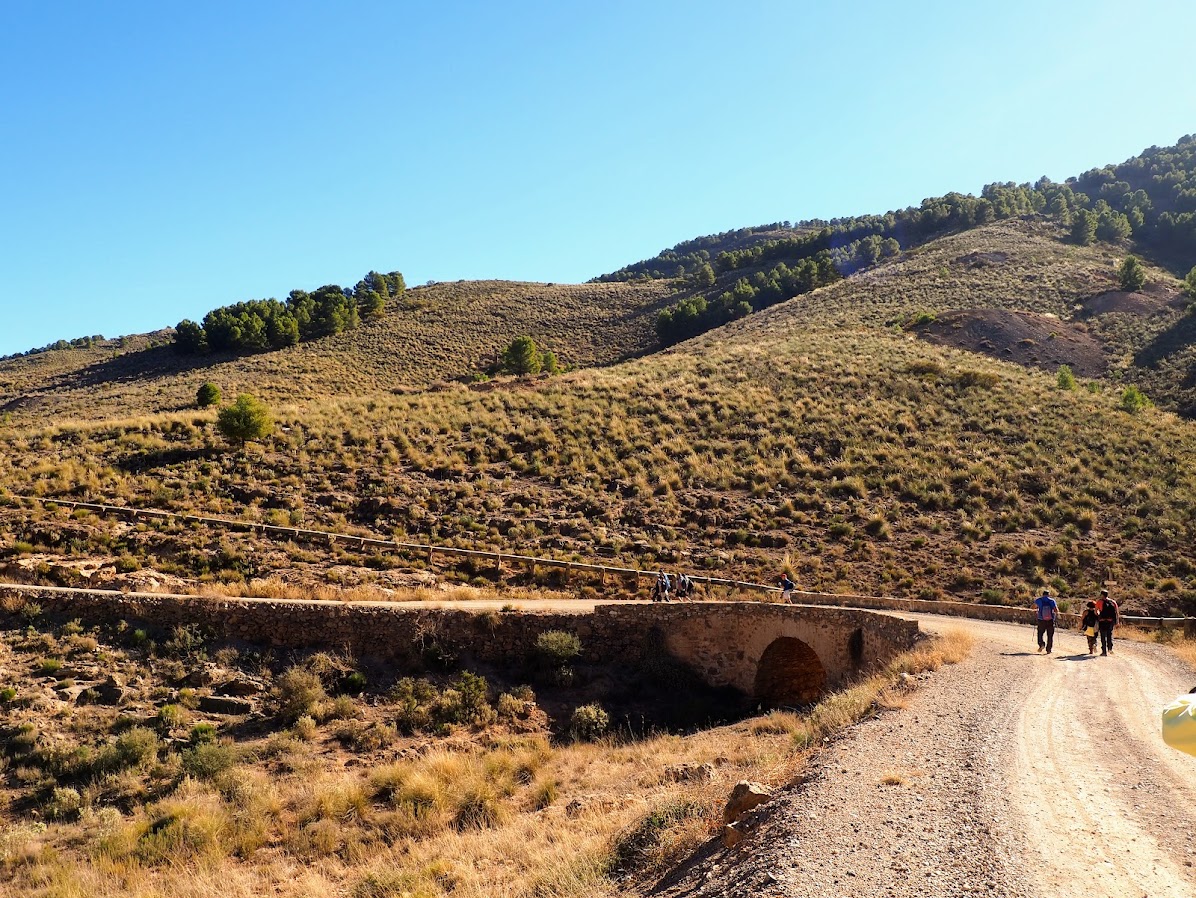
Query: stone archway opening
x,y
789,673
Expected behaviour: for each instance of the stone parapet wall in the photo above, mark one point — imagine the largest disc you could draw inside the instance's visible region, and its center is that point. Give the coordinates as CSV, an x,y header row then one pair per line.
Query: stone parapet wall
x,y
1004,613
720,641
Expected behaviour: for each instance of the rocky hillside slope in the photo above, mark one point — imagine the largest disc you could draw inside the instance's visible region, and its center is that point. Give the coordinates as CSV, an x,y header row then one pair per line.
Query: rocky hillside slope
x,y
841,433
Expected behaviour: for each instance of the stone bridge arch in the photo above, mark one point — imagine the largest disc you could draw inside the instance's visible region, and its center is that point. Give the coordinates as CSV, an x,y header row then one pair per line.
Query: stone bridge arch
x,y
789,673
781,654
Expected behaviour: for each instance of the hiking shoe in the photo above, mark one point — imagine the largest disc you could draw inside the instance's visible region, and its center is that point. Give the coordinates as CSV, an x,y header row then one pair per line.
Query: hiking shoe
x,y
1102,654
1048,651
1040,650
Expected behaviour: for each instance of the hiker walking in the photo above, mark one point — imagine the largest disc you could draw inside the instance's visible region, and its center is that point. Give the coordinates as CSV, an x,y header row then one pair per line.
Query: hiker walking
x,y
685,586
787,587
661,588
1088,623
1106,617
1047,611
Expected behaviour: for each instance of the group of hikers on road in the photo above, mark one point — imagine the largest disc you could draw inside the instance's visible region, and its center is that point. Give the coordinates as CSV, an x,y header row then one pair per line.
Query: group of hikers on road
x,y
667,588
1099,619
680,586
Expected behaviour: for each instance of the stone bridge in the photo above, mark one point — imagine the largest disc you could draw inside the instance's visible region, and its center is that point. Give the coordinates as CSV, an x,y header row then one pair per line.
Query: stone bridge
x,y
777,654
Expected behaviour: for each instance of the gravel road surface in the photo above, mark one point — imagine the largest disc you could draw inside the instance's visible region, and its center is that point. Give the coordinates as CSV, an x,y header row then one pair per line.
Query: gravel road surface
x,y
1010,774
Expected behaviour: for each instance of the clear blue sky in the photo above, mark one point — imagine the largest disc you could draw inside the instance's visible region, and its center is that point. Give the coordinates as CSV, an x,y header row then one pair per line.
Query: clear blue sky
x,y
160,159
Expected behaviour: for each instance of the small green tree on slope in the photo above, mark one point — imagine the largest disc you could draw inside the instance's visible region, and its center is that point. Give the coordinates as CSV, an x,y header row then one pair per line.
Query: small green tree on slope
x,y
246,419
1131,274
1189,286
208,394
524,357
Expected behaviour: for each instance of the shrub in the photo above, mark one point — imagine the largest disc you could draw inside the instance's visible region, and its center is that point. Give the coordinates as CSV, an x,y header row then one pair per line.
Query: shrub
x,y
925,367
1131,275
1065,378
466,702
589,722
186,641
207,760
972,378
202,733
556,648
65,804
246,419
170,717
305,728
207,395
300,693
1133,400
132,748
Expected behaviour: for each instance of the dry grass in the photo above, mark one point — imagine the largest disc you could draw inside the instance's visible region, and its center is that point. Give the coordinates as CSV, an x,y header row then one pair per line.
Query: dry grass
x,y
492,815
1174,639
728,457
438,332
814,431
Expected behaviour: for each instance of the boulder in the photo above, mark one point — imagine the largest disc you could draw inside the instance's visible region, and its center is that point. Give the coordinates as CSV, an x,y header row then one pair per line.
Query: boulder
x,y
106,693
745,796
200,676
241,686
732,835
70,693
690,773
224,704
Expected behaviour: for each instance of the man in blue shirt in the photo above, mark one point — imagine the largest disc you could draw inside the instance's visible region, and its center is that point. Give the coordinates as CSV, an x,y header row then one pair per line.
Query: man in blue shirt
x,y
1047,611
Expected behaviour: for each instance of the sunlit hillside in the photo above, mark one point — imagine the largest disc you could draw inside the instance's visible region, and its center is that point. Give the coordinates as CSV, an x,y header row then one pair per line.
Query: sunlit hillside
x,y
447,331
835,432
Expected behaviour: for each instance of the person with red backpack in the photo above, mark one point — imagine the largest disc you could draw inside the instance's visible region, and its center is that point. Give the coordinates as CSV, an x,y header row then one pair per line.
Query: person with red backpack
x,y
1106,620
1046,612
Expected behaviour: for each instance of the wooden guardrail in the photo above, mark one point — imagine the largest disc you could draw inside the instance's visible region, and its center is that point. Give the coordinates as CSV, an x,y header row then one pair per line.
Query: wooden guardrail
x,y
427,549
962,609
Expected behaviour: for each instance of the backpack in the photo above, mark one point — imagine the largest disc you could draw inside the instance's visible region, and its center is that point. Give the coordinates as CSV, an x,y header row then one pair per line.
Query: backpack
x,y
1108,611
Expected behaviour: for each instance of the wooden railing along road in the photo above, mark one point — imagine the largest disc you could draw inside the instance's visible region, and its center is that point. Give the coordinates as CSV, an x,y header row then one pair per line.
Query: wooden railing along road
x,y
429,551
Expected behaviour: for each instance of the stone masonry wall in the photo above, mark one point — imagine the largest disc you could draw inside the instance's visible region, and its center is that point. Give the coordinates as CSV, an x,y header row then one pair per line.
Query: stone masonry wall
x,y
722,642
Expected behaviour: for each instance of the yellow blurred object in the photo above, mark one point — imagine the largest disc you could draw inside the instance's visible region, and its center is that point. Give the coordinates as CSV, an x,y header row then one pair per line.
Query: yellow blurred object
x,y
1179,724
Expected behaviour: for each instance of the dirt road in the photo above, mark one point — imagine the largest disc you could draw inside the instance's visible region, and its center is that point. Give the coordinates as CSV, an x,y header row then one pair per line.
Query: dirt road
x,y
1011,774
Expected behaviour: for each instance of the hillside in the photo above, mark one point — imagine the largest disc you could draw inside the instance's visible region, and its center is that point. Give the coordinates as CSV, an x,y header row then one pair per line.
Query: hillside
x,y
443,331
821,431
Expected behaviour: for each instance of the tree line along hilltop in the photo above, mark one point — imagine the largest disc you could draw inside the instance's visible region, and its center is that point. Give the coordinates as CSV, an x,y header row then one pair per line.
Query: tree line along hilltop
x,y
1150,198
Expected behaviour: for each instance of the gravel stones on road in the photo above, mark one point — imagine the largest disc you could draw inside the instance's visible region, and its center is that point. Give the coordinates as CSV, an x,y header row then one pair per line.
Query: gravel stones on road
x,y
906,804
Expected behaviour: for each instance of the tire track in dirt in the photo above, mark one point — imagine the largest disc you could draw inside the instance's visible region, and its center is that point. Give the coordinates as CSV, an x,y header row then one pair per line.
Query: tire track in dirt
x,y
1099,791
